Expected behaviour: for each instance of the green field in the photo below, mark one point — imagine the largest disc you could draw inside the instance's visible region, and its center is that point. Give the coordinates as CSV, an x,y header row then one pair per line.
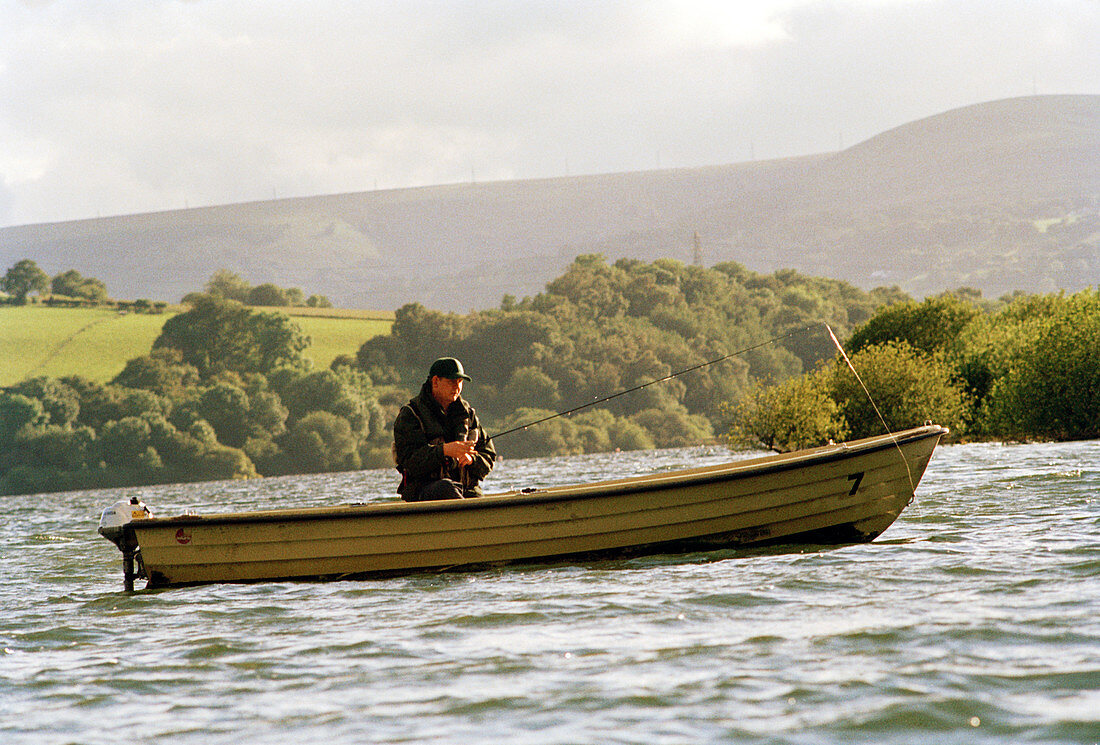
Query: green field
x,y
96,342
332,337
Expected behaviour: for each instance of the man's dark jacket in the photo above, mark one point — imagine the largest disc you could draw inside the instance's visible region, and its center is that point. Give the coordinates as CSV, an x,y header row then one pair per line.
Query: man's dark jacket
x,y
421,428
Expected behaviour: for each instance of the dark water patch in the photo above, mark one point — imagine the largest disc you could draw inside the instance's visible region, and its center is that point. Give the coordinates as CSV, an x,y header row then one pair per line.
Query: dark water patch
x,y
948,537
973,570
43,636
764,640
491,620
732,600
483,707
880,639
897,541
1089,568
206,649
932,720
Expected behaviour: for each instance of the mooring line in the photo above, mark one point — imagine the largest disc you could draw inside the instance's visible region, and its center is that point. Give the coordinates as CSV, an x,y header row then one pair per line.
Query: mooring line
x,y
893,438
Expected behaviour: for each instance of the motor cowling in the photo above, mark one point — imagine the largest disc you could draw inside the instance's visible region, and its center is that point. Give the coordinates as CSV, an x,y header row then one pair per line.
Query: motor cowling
x,y
113,522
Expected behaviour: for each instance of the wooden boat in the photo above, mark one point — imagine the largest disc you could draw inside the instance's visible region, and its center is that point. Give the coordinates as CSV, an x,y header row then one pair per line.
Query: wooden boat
x,y
843,493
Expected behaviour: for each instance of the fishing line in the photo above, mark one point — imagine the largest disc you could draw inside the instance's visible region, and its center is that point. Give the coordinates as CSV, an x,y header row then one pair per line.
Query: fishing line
x,y
912,486
701,365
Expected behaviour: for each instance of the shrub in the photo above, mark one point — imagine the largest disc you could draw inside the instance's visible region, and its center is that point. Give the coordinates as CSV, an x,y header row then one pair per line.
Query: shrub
x,y
797,413
122,442
624,434
674,427
552,437
219,462
24,278
267,295
16,412
1052,389
320,442
909,388
60,402
218,334
929,326
225,407
74,285
56,447
162,371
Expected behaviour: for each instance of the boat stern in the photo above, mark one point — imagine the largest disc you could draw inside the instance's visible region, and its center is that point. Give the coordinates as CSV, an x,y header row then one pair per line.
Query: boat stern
x,y
116,525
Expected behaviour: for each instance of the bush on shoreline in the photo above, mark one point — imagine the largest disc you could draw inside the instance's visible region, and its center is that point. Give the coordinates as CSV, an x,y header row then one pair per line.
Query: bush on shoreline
x,y
1028,369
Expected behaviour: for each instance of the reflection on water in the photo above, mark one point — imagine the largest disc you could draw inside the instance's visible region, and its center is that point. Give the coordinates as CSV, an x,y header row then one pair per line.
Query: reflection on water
x,y
973,619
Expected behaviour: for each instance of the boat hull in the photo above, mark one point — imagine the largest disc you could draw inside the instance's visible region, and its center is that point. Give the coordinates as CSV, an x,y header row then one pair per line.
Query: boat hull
x,y
844,493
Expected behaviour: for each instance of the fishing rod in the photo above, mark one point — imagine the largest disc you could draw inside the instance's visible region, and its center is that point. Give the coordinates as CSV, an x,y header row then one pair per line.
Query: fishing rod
x,y
670,376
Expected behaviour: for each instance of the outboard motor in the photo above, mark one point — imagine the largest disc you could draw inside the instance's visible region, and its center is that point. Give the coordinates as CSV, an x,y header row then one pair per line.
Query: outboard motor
x,y
114,525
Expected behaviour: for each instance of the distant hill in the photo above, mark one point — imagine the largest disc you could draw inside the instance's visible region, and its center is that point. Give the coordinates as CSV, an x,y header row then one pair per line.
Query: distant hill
x,y
999,196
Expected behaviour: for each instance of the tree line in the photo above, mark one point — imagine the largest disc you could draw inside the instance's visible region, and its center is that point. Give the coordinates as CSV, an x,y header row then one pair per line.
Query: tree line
x,y
67,289
601,328
26,277
70,288
227,390
231,286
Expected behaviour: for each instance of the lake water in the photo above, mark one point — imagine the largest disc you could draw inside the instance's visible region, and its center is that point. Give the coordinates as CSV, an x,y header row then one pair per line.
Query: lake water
x,y
974,619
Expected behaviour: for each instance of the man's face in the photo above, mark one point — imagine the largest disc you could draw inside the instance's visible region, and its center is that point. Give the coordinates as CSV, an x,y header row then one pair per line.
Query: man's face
x,y
445,390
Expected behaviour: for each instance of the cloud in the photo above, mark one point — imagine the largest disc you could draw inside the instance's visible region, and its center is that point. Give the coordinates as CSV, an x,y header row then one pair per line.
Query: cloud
x,y
138,106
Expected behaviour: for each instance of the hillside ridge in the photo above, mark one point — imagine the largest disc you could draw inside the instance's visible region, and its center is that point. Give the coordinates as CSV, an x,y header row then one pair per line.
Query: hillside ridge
x,y
1001,195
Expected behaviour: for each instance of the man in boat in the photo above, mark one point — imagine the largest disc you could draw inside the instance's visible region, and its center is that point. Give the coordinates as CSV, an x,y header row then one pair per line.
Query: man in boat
x,y
439,446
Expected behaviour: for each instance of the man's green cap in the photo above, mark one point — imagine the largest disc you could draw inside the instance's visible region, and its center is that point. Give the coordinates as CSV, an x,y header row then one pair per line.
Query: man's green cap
x,y
449,368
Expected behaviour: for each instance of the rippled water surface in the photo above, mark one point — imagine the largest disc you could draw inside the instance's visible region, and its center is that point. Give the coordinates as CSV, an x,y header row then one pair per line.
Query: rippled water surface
x,y
974,619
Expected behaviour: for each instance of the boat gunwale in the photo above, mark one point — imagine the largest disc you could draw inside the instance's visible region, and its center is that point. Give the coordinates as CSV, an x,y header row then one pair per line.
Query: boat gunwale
x,y
720,473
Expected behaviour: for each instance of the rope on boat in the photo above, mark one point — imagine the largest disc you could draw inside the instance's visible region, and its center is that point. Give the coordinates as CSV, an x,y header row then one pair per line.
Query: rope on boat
x,y
701,365
893,438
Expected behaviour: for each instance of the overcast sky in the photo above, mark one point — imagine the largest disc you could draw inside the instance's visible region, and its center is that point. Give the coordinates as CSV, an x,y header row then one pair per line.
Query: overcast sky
x,y
113,108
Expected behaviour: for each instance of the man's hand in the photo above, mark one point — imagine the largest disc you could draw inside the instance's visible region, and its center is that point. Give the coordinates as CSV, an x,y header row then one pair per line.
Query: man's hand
x,y
460,450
